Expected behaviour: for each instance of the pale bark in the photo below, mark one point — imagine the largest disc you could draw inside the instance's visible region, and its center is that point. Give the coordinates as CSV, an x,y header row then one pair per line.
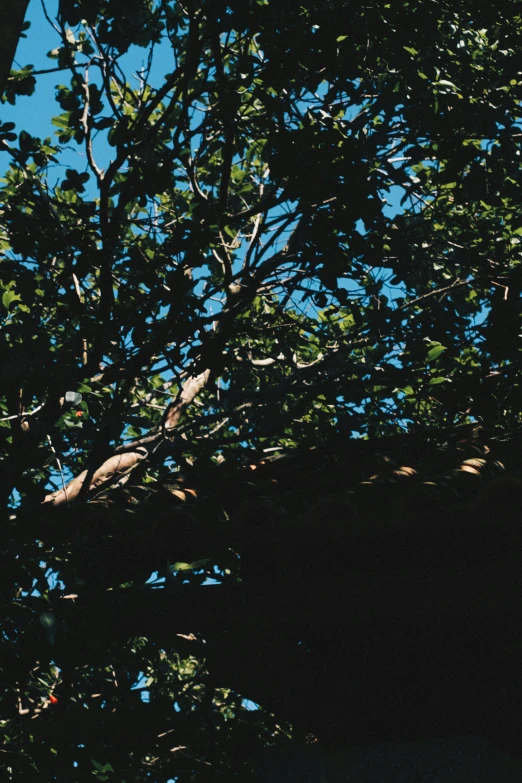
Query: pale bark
x,y
120,465
113,468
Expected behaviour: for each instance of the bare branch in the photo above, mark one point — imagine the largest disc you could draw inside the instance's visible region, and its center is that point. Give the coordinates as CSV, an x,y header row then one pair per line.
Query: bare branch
x,y
24,414
455,284
112,469
49,441
187,394
87,129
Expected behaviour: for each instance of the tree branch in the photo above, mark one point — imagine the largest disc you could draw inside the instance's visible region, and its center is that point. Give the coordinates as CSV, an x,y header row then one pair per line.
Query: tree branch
x,y
190,390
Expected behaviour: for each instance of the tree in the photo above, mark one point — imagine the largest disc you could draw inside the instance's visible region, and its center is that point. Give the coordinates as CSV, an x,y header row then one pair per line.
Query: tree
x,y
219,278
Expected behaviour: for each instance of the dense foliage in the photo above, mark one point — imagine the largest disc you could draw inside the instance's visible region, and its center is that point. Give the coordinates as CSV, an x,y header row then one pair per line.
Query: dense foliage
x,y
308,226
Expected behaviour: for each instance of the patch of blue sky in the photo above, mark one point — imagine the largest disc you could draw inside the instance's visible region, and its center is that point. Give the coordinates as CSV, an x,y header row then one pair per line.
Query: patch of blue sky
x,y
53,579
392,201
34,113
155,580
14,499
142,682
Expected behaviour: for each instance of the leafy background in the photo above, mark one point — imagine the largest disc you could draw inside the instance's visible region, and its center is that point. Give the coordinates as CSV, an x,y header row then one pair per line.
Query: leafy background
x,y
254,226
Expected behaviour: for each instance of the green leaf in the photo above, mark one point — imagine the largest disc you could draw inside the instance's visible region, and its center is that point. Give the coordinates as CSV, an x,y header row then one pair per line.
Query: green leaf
x,y
62,120
446,83
435,352
9,297
195,566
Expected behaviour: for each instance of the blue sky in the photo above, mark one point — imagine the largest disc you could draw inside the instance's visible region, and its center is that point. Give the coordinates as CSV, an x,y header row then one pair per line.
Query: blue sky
x,y
34,113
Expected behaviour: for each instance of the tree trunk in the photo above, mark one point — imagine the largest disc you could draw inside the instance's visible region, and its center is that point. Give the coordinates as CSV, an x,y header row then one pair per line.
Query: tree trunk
x,y
12,14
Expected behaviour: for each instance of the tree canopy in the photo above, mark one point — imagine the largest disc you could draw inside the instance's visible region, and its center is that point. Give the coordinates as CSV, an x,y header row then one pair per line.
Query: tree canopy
x,y
258,226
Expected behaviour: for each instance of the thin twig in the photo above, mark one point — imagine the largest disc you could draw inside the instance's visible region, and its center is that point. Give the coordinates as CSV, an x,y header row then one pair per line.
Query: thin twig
x,y
23,415
57,458
456,284
87,129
